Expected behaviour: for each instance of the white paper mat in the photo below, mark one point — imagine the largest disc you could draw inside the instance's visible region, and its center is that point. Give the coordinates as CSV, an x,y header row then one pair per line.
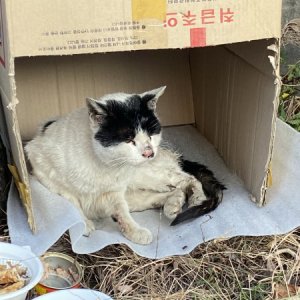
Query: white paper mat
x,y
236,215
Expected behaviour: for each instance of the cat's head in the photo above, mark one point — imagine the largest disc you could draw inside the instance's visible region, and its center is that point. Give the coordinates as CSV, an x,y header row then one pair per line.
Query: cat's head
x,y
125,126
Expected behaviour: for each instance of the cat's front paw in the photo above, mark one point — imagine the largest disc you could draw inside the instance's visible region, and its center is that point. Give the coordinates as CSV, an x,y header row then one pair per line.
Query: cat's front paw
x,y
173,205
139,235
196,197
89,227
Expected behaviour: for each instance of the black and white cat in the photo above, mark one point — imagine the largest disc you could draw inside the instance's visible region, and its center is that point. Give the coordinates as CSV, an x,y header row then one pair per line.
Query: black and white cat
x,y
107,160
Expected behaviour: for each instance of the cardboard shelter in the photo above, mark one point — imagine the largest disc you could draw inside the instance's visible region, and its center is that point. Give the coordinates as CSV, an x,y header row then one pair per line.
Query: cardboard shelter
x,y
219,60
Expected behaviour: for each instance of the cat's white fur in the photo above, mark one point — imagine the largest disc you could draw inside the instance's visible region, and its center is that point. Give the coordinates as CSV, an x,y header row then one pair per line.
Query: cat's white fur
x,y
110,181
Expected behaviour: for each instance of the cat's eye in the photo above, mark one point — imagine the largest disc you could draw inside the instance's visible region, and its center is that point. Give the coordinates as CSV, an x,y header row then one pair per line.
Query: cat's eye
x,y
131,141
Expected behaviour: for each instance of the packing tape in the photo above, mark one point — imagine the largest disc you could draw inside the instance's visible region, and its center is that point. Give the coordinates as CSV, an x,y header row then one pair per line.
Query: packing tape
x,y
148,9
24,195
269,178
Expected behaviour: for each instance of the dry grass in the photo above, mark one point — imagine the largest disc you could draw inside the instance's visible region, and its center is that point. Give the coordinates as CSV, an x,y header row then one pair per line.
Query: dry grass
x,y
254,268
289,106
238,268
291,33
292,106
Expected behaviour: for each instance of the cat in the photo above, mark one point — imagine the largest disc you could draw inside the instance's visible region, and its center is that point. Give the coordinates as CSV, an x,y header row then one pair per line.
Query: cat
x,y
107,160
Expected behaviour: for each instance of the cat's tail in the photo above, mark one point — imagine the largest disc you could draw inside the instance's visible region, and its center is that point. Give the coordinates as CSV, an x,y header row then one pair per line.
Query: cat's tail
x,y
212,188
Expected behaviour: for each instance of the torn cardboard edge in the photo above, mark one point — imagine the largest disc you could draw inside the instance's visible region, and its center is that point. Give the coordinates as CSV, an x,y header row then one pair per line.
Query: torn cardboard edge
x,y
24,195
274,61
17,168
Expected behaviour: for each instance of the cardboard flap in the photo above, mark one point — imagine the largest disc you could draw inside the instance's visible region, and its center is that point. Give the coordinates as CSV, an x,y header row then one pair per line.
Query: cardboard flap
x,y
234,109
18,170
61,27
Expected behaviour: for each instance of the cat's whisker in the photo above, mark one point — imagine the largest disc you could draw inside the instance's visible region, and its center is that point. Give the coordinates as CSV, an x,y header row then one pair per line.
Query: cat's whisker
x,y
116,160
117,164
122,162
167,145
153,124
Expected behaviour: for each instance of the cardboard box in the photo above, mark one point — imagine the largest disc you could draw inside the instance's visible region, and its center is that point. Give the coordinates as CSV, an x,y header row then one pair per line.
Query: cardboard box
x,y
213,55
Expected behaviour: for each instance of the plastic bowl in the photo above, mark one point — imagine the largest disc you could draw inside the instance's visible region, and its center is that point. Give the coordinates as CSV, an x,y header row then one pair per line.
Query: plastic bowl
x,y
26,258
74,294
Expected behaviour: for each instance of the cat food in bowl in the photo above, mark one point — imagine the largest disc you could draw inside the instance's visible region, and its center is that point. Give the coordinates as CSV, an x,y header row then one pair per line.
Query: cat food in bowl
x,y
60,272
13,276
20,271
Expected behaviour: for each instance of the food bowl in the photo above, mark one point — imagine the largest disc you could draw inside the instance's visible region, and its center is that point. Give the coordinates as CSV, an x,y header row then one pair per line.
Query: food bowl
x,y
60,272
22,256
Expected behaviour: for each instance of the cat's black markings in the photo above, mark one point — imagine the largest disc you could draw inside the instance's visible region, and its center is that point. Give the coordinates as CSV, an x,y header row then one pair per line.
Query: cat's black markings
x,y
212,188
46,125
122,120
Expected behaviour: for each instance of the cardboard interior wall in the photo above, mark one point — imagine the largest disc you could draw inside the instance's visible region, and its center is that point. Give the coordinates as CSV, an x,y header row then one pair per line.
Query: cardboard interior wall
x,y
235,104
226,91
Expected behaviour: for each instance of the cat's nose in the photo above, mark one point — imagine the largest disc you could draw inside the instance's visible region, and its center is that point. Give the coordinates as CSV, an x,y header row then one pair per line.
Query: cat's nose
x,y
148,152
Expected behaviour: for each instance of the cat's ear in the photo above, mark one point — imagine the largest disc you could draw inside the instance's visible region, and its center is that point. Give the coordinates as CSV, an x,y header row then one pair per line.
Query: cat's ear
x,y
151,97
96,110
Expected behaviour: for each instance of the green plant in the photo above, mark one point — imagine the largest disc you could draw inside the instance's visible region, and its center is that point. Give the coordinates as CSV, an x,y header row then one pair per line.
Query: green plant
x,y
289,106
258,292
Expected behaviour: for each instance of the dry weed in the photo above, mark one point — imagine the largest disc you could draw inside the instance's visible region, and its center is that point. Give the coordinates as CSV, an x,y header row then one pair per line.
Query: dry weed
x,y
237,268
291,33
244,268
